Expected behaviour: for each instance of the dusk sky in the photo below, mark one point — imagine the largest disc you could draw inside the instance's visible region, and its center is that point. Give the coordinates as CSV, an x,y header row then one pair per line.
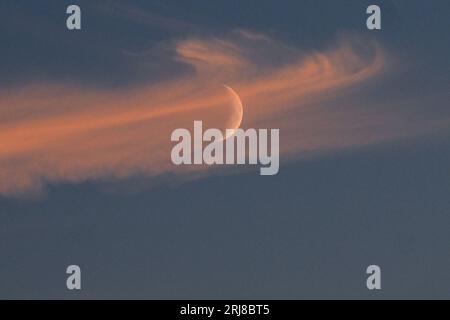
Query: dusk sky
x,y
86,175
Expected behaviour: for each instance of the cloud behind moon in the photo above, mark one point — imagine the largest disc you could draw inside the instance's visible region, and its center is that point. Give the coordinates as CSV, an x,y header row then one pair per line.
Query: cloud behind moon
x,y
55,133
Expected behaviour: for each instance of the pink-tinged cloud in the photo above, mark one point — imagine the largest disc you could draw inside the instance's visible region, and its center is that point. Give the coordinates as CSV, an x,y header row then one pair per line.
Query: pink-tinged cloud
x,y
61,133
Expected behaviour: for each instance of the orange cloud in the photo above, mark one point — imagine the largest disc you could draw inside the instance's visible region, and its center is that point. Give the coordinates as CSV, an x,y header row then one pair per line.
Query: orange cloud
x,y
52,133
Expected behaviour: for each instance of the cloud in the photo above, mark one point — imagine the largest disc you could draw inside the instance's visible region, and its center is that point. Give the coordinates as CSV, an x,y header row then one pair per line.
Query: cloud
x,y
137,15
62,133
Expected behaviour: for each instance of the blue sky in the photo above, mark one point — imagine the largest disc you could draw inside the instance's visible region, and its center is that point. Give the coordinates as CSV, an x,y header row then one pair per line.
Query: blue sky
x,y
370,184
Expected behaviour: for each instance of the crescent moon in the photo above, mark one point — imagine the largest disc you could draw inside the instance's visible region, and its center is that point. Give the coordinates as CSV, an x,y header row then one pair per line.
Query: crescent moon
x,y
238,111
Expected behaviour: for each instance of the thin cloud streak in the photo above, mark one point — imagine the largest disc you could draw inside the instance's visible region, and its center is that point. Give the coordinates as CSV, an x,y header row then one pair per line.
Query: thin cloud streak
x,y
57,133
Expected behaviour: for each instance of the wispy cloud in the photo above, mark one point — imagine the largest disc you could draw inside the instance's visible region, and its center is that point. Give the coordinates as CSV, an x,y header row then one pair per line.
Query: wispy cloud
x,y
57,133
127,10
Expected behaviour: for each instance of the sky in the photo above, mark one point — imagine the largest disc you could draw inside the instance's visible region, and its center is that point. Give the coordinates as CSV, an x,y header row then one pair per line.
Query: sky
x,y
86,176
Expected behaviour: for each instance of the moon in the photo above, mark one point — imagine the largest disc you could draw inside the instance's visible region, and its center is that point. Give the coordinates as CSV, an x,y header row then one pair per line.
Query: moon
x,y
234,122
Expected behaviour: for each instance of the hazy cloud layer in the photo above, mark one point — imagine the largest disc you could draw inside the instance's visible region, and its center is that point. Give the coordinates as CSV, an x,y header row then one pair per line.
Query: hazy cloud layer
x,y
51,132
